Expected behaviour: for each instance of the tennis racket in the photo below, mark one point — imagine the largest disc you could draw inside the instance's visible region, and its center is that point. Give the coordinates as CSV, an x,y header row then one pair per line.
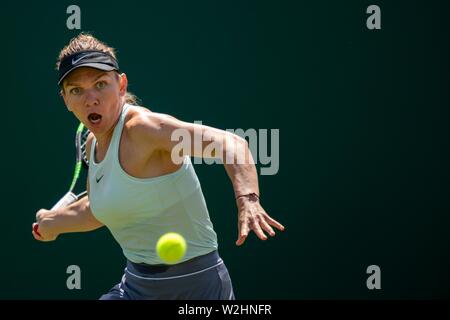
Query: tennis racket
x,y
81,161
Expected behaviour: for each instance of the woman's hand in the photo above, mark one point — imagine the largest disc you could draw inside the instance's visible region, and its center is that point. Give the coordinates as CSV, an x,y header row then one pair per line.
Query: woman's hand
x,y
252,216
42,229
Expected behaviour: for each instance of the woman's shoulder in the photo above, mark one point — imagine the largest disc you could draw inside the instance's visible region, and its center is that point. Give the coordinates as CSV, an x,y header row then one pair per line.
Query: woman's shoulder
x,y
141,118
141,122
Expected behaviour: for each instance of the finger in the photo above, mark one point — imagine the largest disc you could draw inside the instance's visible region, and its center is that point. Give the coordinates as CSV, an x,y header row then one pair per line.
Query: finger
x,y
243,233
240,241
36,229
258,231
36,236
267,228
39,215
274,222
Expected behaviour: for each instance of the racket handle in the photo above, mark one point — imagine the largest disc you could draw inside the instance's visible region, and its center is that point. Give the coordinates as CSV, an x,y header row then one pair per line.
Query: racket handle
x,y
68,198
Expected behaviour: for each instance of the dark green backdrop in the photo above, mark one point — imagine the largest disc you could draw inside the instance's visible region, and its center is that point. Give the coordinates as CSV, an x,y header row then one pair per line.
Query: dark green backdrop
x,y
364,138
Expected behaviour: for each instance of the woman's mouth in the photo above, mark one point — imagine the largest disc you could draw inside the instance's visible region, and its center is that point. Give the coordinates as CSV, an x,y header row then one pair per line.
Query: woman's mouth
x,y
94,118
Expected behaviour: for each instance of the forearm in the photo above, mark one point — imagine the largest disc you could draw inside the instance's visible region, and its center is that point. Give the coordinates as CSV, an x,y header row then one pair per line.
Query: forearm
x,y
77,217
240,167
251,216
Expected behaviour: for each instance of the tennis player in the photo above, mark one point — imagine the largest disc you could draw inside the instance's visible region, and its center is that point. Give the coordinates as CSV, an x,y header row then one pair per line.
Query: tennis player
x,y
138,192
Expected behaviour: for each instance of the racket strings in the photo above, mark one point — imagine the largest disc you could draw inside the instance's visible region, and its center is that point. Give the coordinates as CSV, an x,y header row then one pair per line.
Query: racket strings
x,y
83,143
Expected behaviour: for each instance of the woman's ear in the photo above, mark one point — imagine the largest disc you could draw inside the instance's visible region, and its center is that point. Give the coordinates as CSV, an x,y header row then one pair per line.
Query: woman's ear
x,y
123,83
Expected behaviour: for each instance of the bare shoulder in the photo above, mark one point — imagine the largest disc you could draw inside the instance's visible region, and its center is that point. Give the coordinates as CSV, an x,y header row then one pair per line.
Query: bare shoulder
x,y
142,123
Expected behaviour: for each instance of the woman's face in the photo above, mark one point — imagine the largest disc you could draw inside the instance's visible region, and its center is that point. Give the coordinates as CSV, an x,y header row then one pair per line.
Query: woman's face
x,y
95,97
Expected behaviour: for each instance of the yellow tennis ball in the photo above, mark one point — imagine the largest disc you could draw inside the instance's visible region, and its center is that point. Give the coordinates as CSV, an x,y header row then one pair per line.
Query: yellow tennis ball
x,y
171,247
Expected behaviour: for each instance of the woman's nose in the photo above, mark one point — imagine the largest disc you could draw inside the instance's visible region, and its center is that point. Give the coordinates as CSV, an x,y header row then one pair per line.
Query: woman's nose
x,y
92,98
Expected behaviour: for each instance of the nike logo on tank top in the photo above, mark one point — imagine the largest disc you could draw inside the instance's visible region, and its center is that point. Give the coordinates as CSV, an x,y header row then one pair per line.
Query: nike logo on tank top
x,y
138,211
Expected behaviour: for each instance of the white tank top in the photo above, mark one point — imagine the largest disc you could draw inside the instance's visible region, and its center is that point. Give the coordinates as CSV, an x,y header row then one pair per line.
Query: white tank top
x,y
138,211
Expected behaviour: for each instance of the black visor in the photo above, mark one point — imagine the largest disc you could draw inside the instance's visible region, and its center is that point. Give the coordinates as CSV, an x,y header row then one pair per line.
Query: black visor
x,y
94,59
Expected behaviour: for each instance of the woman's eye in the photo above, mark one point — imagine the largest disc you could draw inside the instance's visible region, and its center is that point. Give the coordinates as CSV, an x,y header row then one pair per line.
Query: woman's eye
x,y
101,84
75,91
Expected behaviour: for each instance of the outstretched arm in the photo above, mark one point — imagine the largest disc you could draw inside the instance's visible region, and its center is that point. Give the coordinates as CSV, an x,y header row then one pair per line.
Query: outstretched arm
x,y
164,131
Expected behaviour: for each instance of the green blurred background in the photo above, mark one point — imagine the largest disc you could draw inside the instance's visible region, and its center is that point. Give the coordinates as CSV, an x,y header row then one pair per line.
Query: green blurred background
x,y
364,138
